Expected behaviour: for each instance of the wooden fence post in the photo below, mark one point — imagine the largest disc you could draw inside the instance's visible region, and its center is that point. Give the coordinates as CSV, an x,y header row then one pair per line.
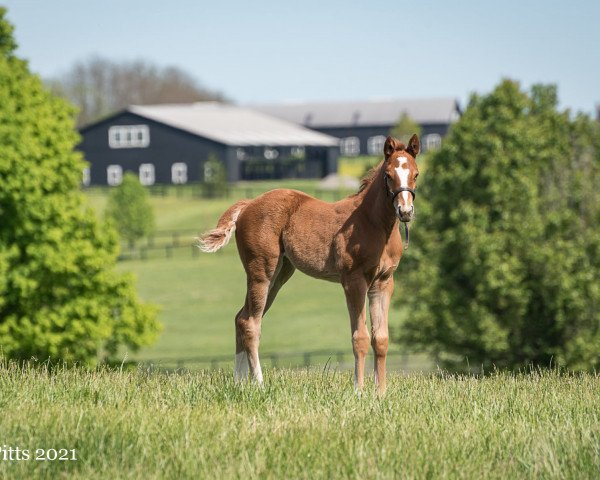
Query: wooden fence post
x,y
307,359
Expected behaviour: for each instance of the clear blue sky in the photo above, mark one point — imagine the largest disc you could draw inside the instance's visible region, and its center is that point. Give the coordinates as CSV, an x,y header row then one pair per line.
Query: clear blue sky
x,y
269,51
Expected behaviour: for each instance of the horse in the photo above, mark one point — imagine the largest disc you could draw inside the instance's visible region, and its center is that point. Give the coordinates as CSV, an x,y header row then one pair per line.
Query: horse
x,y
355,241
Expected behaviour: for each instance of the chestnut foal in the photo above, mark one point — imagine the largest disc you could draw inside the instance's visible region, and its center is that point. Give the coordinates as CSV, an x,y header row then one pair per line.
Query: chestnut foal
x,y
355,242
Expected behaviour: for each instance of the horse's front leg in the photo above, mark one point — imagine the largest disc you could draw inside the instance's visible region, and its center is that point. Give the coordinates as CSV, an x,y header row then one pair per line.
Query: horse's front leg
x,y
380,294
355,289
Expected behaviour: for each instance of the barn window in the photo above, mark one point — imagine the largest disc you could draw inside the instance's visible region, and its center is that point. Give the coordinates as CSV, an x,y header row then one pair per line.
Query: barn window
x,y
129,136
240,154
271,153
147,174
375,145
433,141
86,177
350,146
179,173
114,175
298,152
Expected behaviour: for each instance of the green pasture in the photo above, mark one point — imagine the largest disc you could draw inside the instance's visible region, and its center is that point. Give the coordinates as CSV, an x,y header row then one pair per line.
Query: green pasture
x,y
182,208
199,294
303,424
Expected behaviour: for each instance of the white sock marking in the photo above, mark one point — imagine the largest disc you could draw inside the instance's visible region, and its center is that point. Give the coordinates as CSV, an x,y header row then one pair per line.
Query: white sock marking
x,y
259,375
241,366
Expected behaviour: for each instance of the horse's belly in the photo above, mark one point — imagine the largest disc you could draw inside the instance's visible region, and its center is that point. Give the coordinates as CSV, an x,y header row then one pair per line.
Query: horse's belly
x,y
321,274
312,259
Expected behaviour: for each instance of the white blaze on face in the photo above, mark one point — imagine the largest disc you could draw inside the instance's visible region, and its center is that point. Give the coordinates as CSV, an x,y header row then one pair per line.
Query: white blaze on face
x,y
403,174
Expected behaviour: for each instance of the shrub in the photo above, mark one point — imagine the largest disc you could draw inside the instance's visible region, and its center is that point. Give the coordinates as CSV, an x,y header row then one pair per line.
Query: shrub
x,y
60,296
504,269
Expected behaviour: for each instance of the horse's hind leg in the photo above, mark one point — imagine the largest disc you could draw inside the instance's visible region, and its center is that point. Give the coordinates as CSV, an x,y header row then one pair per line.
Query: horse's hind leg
x,y
248,320
285,273
241,357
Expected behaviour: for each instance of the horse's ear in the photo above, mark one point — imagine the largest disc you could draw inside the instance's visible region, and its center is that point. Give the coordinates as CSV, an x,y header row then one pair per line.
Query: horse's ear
x,y
414,146
391,145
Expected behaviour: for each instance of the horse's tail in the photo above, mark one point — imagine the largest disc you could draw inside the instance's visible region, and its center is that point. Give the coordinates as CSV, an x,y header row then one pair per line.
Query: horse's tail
x,y
217,238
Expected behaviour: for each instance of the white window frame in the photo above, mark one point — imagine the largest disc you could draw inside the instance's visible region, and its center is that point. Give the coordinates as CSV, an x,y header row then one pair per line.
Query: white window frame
x,y
86,177
375,145
240,154
114,175
298,152
433,141
129,136
179,173
147,174
271,153
350,146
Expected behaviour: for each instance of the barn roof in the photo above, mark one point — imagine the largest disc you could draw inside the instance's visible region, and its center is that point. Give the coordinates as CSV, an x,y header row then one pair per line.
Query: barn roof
x,y
232,125
382,112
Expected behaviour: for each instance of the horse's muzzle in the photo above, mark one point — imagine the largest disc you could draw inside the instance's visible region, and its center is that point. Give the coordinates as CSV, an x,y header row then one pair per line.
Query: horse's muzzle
x,y
405,214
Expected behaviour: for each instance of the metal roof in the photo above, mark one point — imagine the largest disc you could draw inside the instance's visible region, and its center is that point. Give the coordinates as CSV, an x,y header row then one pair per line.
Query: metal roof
x,y
232,125
380,112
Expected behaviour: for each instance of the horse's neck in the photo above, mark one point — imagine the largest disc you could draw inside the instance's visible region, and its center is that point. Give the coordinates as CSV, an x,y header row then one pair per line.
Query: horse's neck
x,y
377,205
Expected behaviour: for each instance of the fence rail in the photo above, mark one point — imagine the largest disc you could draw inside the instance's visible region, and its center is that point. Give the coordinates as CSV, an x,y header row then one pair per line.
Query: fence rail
x,y
235,191
339,359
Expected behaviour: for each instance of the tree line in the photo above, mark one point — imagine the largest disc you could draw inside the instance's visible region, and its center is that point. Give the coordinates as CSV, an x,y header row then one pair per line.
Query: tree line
x,y
99,87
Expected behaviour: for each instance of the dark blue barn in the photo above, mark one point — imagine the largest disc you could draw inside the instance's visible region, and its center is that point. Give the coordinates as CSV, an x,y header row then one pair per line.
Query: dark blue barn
x,y
362,126
170,144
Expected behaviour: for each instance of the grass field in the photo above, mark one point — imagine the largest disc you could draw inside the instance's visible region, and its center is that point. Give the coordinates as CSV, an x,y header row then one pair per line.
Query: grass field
x,y
301,425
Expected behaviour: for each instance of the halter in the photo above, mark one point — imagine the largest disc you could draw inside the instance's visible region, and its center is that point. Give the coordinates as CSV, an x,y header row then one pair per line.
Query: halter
x,y
393,194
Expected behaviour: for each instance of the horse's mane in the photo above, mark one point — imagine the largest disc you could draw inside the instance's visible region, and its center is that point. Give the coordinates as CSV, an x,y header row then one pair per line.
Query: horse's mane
x,y
368,178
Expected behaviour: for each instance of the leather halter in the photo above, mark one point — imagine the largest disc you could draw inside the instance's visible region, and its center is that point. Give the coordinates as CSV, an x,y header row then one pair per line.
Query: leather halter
x,y
393,194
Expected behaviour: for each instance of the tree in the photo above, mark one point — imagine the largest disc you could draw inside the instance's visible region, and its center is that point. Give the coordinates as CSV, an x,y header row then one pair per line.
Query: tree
x,y
128,207
215,181
405,128
505,263
60,296
99,87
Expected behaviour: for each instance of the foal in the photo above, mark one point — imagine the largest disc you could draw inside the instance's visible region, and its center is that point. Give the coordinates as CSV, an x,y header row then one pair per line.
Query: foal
x,y
355,242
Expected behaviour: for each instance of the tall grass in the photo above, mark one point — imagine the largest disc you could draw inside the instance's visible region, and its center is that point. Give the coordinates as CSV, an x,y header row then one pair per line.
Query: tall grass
x,y
145,424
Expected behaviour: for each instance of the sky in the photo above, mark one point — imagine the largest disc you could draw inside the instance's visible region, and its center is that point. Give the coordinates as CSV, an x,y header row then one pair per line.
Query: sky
x,y
275,51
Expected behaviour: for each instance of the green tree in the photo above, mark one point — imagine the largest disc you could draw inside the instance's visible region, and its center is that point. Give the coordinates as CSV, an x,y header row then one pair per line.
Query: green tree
x,y
215,182
405,128
505,265
60,296
129,209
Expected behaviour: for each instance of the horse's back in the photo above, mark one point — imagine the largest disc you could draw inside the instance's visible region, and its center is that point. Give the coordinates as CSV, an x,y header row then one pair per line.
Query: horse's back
x,y
261,223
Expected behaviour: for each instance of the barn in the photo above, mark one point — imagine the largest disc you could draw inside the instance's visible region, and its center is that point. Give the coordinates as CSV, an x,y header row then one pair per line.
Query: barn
x,y
171,144
362,126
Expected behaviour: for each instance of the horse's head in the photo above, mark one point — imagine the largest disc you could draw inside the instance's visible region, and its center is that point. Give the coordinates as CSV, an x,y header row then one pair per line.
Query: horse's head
x,y
400,171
